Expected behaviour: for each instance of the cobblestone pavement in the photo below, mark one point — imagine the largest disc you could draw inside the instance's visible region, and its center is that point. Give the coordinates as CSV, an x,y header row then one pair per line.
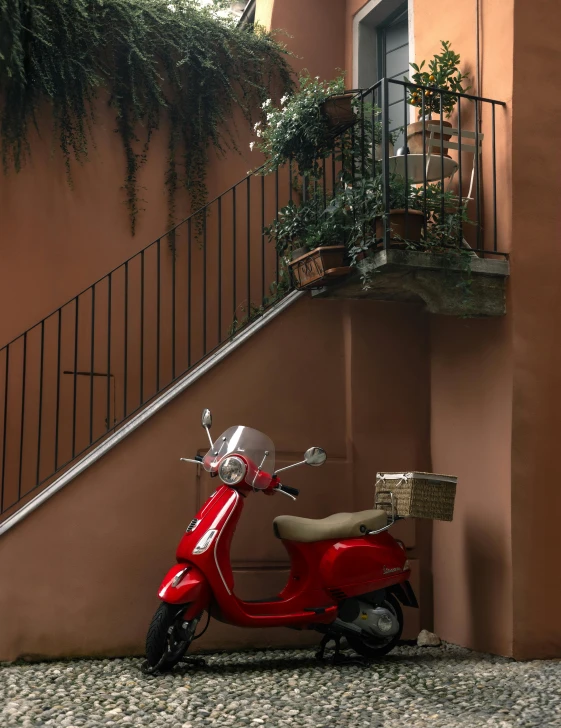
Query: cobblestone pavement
x,y
430,686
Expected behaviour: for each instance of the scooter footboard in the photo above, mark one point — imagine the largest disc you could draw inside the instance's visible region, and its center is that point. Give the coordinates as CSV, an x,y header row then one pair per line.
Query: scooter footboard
x,y
185,584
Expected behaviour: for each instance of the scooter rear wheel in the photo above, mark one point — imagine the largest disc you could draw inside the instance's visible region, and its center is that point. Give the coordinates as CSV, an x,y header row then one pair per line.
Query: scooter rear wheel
x,y
168,638
369,646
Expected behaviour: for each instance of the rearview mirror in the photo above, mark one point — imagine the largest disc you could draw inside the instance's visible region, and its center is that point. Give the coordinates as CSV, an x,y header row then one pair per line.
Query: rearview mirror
x,y
206,419
315,456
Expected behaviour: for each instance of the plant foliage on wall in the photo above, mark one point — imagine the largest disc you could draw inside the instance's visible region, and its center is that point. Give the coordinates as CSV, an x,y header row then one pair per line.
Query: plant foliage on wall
x,y
162,62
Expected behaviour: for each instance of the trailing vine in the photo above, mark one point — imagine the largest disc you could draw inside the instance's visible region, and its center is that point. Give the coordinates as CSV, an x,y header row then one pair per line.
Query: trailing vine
x,y
165,63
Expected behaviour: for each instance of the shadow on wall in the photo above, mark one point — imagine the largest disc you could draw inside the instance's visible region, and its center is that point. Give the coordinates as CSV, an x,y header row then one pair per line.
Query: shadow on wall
x,y
485,567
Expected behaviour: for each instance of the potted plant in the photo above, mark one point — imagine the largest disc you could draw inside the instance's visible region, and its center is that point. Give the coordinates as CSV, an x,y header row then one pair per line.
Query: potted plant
x,y
304,126
443,74
310,238
339,111
366,200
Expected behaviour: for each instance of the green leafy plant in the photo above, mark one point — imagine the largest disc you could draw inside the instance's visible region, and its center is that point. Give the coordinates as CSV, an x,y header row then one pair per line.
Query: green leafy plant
x,y
298,129
443,74
164,63
308,225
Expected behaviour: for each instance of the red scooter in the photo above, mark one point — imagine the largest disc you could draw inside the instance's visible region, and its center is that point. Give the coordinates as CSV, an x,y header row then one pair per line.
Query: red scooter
x,y
347,578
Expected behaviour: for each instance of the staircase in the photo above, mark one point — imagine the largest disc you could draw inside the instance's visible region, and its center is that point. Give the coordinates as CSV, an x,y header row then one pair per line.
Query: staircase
x,y
89,373
81,379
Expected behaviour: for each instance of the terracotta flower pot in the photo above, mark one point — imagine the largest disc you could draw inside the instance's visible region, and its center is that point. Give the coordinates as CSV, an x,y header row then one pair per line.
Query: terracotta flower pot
x,y
339,111
318,266
415,137
404,225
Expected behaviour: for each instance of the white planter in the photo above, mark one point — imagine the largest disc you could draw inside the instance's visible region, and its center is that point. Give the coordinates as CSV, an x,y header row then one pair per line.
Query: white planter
x,y
378,151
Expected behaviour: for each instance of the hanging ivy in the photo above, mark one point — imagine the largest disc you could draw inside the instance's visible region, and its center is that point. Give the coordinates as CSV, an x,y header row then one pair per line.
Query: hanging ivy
x,y
169,63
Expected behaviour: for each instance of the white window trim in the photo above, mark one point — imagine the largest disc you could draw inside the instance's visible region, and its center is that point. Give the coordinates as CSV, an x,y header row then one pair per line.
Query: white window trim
x,y
360,16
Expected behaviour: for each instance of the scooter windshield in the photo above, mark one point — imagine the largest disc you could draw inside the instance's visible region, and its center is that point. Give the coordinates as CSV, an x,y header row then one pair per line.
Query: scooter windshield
x,y
252,444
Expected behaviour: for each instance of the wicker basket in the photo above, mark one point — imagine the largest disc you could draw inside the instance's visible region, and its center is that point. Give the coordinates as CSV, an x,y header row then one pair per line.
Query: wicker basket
x,y
417,495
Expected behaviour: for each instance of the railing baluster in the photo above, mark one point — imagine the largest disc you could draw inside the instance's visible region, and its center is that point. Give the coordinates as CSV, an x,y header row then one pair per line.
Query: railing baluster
x,y
290,180
441,156
22,427
219,270
109,282
40,413
189,281
248,248
173,333
92,354
385,161
460,181
141,328
276,218
126,342
5,432
59,340
373,127
234,300
423,113
477,180
406,162
262,240
493,143
158,315
75,376
204,282
362,142
324,183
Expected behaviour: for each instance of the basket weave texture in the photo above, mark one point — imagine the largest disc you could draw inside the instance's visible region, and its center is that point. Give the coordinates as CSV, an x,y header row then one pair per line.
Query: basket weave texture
x,y
417,495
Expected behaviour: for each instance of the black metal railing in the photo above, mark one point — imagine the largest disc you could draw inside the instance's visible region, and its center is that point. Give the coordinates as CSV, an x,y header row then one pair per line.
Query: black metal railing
x,y
450,177
78,374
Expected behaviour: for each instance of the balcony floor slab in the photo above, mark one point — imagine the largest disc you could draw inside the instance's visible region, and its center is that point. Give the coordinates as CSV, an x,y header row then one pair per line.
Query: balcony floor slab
x,y
472,289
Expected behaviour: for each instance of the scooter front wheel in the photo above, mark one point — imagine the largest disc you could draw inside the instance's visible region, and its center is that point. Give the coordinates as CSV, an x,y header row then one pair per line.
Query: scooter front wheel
x,y
371,647
168,638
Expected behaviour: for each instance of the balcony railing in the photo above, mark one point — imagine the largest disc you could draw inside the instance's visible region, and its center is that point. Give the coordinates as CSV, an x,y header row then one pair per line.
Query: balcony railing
x,y
78,374
451,174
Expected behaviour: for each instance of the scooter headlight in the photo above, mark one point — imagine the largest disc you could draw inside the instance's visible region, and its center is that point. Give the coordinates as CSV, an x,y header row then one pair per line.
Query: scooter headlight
x,y
232,470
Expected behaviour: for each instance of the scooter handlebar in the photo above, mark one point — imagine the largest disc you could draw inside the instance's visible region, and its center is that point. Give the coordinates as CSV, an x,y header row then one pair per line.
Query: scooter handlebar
x,y
287,489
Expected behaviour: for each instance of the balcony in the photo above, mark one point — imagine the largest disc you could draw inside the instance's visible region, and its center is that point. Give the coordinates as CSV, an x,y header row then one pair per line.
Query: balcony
x,y
401,211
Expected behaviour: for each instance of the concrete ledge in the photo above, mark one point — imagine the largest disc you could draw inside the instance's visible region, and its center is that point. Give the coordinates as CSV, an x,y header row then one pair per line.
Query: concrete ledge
x,y
442,284
426,261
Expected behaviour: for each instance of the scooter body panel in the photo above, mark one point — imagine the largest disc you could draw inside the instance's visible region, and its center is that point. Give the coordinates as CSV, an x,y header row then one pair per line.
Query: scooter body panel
x,y
322,573
185,584
361,565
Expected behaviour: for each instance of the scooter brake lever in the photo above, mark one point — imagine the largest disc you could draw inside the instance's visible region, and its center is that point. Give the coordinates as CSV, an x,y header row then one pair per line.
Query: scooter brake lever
x,y
285,493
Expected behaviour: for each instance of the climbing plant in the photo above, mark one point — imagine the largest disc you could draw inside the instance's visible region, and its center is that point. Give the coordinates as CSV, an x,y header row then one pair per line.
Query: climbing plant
x,y
161,63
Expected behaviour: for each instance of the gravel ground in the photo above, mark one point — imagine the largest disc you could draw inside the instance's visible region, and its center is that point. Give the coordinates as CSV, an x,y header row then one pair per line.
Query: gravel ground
x,y
429,686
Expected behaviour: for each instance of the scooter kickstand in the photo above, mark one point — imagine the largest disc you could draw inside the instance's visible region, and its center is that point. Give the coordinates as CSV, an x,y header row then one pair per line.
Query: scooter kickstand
x,y
320,655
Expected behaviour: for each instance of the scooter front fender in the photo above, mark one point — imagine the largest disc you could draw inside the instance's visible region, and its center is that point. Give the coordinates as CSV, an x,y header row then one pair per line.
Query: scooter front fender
x,y
185,584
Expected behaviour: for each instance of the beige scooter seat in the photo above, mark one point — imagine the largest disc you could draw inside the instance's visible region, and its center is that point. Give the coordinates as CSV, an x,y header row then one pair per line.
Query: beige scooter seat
x,y
339,525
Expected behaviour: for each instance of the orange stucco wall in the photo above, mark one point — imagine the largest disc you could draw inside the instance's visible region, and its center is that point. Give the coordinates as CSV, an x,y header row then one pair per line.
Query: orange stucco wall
x,y
471,375
536,307
80,575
